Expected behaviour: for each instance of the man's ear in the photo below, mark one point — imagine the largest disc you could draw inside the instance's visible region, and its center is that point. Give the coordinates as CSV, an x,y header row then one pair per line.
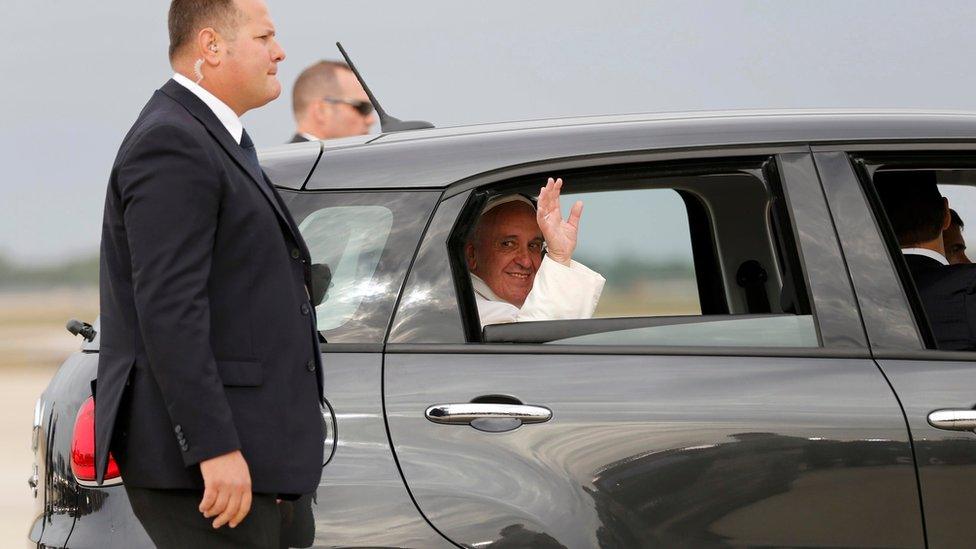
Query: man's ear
x,y
209,46
946,214
469,257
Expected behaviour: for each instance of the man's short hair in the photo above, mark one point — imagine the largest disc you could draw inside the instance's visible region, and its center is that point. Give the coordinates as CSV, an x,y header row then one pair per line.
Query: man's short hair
x,y
315,83
913,203
956,220
187,17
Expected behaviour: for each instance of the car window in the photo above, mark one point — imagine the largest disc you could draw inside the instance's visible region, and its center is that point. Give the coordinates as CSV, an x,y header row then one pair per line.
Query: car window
x,y
703,259
640,241
350,240
962,202
361,245
928,244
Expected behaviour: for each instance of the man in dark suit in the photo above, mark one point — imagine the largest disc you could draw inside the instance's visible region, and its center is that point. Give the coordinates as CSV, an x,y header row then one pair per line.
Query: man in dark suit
x,y
329,102
919,214
209,378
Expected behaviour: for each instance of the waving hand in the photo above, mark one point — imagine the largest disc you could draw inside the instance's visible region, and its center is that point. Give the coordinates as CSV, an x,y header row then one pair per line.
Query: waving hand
x,y
560,234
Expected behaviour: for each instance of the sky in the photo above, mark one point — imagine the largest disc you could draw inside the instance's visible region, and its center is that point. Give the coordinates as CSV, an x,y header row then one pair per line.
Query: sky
x,y
79,72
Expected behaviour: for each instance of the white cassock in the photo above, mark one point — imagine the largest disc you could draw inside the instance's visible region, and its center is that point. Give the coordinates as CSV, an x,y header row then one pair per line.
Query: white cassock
x,y
558,293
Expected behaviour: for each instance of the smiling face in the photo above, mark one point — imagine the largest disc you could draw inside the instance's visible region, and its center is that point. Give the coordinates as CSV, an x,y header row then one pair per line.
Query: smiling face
x,y
506,251
250,67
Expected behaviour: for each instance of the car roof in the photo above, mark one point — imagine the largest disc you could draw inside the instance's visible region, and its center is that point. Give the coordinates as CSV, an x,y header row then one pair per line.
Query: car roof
x,y
438,157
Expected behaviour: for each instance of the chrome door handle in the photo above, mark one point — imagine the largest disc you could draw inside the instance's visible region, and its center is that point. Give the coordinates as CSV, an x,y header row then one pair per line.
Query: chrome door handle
x,y
465,413
953,420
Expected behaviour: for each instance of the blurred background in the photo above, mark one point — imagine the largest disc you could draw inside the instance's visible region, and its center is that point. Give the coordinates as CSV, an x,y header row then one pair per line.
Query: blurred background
x,y
77,74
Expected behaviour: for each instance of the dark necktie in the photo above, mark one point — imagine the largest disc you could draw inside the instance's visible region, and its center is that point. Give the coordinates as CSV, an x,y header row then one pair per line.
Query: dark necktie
x,y
249,152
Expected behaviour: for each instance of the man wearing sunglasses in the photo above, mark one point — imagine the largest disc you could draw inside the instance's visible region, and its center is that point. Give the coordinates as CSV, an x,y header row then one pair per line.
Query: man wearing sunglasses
x,y
328,102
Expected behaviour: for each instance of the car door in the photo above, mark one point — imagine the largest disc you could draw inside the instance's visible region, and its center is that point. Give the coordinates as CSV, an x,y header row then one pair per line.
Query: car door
x,y
927,381
651,445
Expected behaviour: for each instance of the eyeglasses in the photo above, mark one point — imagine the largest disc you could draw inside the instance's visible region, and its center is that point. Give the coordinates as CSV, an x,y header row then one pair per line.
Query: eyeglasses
x,y
365,108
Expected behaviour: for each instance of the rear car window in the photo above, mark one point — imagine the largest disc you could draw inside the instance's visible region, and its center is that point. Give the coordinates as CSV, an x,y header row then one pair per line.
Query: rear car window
x,y
350,240
361,245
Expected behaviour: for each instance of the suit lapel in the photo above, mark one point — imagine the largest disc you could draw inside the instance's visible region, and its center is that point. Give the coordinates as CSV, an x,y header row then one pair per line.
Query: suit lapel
x,y
202,112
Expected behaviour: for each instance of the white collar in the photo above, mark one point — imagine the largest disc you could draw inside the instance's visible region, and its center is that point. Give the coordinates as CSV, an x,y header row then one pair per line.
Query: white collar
x,y
481,288
309,136
225,114
931,254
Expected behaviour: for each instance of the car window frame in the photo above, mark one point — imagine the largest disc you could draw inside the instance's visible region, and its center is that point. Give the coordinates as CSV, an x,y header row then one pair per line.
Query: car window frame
x,y
845,336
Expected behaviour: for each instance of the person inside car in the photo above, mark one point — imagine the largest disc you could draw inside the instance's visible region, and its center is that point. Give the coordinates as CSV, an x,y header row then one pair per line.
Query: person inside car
x,y
512,278
919,215
955,244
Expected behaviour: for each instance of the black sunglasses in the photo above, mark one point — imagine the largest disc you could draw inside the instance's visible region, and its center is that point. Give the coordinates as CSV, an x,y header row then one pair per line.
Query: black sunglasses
x,y
365,108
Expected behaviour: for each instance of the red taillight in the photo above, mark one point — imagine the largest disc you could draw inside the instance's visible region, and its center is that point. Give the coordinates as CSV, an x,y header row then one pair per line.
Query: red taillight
x,y
83,447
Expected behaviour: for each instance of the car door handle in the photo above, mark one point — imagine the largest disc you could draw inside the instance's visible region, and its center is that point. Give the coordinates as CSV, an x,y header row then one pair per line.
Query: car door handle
x,y
953,420
468,412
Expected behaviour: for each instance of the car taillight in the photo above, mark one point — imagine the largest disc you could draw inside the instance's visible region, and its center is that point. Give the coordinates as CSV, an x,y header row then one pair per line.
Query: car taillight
x,y
83,449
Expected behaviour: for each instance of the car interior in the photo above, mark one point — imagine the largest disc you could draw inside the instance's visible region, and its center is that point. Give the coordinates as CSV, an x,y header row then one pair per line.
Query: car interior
x,y
698,254
956,177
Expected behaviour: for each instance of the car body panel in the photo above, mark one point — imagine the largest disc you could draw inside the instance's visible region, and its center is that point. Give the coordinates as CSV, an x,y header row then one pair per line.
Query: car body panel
x,y
289,167
655,447
662,451
361,500
946,459
81,516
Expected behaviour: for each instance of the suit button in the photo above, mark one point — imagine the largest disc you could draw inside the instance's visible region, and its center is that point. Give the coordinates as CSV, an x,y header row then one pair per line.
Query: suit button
x,y
305,309
295,254
310,365
178,429
184,446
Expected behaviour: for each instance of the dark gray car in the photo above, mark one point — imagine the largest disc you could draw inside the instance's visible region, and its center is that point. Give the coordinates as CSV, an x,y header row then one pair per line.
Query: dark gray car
x,y
768,383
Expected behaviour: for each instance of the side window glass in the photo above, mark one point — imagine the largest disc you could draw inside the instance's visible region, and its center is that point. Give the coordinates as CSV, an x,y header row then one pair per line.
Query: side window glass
x,y
962,202
350,240
361,246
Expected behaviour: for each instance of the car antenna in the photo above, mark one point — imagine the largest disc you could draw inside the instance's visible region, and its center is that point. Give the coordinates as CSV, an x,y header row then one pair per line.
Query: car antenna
x,y
387,123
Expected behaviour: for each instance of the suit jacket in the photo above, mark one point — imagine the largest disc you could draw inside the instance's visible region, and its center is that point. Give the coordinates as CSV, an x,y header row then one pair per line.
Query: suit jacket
x,y
298,138
208,340
558,293
948,294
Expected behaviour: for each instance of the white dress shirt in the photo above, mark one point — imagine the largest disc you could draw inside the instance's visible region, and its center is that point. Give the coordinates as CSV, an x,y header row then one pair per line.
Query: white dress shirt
x,y
931,254
558,293
225,114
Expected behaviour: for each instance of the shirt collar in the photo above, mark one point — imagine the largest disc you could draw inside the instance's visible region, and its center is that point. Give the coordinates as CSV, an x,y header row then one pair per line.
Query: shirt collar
x,y
309,136
481,288
931,254
225,114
